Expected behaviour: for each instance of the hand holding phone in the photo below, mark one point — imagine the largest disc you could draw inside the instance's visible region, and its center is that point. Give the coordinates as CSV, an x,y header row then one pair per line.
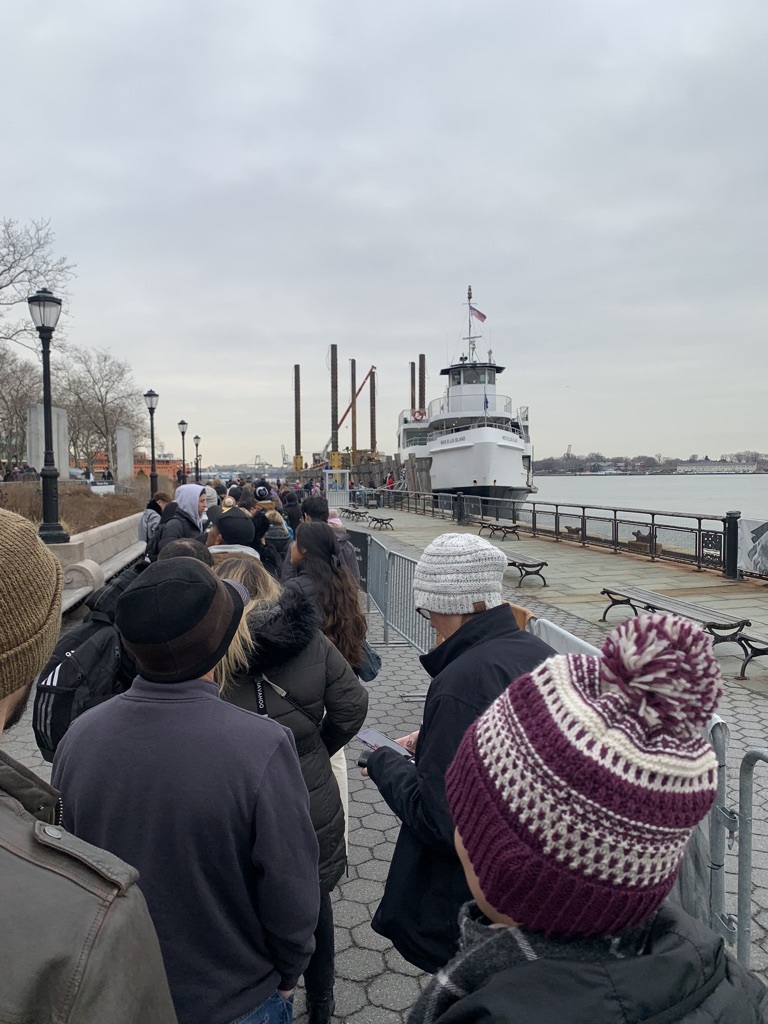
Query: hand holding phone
x,y
373,739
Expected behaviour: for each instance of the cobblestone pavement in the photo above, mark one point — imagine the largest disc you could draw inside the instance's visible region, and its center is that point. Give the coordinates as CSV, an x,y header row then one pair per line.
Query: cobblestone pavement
x,y
374,984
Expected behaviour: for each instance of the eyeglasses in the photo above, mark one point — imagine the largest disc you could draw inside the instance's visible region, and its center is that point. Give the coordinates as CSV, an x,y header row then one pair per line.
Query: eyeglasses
x,y
424,614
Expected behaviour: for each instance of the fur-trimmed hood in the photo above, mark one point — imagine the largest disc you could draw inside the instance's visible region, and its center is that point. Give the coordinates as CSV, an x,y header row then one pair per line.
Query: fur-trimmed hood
x,y
282,630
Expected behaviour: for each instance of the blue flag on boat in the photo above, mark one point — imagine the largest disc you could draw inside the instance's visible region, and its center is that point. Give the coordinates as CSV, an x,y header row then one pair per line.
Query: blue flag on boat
x,y
485,400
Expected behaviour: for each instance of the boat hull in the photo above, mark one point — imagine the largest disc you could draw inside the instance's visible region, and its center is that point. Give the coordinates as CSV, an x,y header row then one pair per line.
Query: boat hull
x,y
482,460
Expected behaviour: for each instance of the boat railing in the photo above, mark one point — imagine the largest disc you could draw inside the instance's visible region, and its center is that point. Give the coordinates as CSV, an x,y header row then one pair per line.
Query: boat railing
x,y
480,421
470,405
701,540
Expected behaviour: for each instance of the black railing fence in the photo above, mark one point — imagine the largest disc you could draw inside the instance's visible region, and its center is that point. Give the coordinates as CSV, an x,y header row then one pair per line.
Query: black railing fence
x,y
702,541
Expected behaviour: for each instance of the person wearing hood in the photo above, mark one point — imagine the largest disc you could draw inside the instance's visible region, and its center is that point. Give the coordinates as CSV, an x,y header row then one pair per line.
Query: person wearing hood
x,y
281,665
186,521
150,518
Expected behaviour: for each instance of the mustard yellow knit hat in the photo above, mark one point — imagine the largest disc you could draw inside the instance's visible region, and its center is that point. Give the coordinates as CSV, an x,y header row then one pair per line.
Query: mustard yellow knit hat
x,y
30,603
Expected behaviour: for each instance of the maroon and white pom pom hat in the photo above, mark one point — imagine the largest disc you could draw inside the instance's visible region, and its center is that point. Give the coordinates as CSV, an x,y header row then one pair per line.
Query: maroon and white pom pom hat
x,y
576,792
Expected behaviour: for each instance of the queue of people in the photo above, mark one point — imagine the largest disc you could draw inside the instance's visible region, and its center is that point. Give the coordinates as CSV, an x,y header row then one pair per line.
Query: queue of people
x,y
180,867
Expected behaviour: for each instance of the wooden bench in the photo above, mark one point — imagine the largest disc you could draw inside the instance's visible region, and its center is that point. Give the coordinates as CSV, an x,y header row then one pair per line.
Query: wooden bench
x,y
380,523
502,528
723,628
528,567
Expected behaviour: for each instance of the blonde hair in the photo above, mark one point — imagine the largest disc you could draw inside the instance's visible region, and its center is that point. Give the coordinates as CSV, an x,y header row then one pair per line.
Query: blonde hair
x,y
274,517
265,591
228,502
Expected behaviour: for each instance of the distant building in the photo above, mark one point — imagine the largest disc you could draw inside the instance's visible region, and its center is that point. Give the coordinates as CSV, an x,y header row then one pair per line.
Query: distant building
x,y
704,466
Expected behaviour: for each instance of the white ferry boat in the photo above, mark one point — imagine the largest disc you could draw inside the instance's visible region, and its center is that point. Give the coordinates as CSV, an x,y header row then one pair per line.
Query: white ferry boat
x,y
478,443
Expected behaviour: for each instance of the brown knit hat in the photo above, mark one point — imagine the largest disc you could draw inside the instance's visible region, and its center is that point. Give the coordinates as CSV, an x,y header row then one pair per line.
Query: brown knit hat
x,y
30,603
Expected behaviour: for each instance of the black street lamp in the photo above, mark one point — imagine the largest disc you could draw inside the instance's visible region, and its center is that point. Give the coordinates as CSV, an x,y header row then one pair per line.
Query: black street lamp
x,y
196,439
183,429
152,398
45,308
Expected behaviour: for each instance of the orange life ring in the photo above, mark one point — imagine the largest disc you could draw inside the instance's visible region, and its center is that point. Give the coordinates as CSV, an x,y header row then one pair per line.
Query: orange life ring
x,y
417,415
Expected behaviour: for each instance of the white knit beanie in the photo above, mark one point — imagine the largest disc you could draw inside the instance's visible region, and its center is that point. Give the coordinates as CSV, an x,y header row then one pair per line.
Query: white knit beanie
x,y
459,574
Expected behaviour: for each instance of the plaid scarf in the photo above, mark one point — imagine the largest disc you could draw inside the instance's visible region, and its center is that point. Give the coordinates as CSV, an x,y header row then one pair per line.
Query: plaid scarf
x,y
485,949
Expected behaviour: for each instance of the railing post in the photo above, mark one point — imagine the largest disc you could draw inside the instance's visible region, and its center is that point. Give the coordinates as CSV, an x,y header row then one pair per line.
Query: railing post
x,y
533,518
615,531
459,506
744,922
557,522
652,538
732,545
583,526
385,609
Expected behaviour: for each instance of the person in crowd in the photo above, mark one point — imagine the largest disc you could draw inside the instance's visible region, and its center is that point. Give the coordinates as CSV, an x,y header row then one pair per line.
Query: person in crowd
x,y
291,510
76,941
236,492
200,796
211,497
323,578
573,797
150,519
315,510
268,554
187,519
280,664
457,585
231,533
277,536
187,548
327,582
247,501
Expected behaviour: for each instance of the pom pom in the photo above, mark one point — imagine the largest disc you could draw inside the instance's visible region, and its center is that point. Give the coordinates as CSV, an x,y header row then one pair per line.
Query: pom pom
x,y
666,669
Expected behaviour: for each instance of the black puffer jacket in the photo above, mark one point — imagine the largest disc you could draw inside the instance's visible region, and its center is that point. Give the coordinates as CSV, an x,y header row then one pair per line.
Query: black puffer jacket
x,y
293,654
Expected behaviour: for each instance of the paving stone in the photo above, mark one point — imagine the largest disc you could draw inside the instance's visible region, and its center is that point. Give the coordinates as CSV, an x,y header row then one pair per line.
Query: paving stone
x,y
376,870
348,914
363,935
399,965
394,991
359,964
362,890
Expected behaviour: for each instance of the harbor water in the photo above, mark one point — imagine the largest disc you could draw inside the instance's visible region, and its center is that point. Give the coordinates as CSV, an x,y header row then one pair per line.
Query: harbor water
x,y
702,495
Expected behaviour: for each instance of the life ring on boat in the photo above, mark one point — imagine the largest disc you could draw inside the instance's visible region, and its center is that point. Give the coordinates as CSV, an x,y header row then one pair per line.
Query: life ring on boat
x,y
417,414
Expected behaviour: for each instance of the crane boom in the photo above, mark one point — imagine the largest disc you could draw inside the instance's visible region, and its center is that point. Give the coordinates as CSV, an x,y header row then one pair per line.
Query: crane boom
x,y
357,395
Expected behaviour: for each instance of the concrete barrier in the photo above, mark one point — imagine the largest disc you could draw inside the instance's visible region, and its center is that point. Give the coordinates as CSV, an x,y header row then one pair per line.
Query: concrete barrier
x,y
89,557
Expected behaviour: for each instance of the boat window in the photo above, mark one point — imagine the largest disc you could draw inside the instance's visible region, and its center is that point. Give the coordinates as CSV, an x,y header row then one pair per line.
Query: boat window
x,y
491,376
455,377
471,375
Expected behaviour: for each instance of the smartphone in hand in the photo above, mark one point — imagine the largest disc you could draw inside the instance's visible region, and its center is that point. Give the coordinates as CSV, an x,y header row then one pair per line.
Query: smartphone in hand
x,y
373,739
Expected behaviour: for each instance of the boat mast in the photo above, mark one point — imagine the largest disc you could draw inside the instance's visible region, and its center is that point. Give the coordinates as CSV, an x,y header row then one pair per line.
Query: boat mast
x,y
471,338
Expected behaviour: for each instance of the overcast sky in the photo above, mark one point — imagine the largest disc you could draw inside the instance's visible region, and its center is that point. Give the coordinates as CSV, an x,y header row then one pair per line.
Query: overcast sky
x,y
241,184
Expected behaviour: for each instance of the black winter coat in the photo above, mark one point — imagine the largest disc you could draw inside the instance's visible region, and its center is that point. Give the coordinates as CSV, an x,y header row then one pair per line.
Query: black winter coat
x,y
293,654
685,977
426,887
177,527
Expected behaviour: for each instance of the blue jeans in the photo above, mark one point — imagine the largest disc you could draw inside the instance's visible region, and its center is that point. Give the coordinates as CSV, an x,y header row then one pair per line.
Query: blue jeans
x,y
275,1010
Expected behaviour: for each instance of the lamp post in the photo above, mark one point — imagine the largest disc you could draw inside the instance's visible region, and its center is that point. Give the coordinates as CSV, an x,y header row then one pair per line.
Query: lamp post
x,y
152,398
196,439
183,429
44,309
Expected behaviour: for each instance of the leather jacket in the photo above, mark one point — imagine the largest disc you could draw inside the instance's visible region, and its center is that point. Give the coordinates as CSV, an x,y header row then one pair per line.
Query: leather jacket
x,y
76,945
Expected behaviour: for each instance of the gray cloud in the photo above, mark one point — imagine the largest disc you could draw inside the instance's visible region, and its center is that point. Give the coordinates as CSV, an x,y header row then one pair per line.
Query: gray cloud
x,y
240,185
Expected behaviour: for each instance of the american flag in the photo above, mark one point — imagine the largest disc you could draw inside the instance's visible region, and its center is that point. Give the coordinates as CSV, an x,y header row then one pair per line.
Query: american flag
x,y
477,314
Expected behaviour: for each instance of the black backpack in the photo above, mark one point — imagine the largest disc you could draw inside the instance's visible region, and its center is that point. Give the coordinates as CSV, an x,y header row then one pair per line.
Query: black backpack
x,y
87,667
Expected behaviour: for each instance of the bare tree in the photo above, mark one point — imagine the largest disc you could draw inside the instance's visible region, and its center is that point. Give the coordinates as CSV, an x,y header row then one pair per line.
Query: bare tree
x,y
27,262
20,385
99,393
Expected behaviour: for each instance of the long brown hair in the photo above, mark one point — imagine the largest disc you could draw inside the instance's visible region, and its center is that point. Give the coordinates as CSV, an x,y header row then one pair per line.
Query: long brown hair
x,y
336,591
